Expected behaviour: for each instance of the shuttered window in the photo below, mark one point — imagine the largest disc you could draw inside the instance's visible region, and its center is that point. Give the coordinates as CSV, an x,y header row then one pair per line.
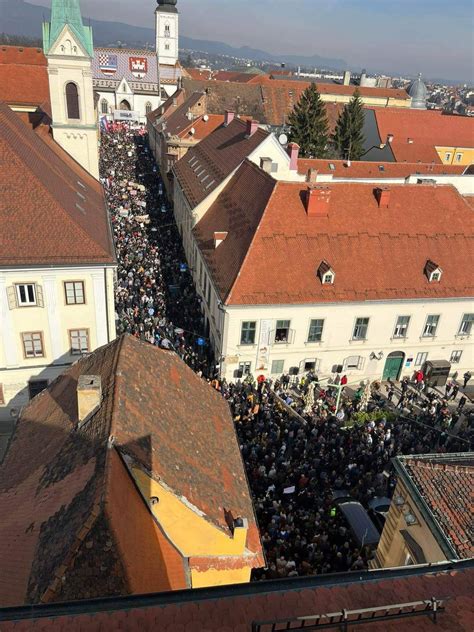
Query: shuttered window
x,y
72,101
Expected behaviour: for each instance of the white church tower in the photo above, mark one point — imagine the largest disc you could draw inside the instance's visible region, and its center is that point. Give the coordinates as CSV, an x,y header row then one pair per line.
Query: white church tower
x,y
68,47
167,32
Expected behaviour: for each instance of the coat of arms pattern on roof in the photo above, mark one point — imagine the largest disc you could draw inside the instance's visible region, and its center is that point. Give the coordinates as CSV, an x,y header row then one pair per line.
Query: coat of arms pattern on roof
x,y
132,65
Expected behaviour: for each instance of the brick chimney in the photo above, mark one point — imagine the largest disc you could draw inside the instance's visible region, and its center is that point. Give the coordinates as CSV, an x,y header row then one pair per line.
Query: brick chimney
x,y
252,127
89,395
219,237
293,149
317,201
382,195
228,117
312,176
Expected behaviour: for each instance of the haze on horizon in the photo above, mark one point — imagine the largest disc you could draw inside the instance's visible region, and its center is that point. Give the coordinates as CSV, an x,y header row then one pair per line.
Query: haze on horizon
x,y
433,37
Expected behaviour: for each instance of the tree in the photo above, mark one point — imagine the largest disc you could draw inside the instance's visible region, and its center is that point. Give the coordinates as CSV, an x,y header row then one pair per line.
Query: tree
x,y
348,136
309,124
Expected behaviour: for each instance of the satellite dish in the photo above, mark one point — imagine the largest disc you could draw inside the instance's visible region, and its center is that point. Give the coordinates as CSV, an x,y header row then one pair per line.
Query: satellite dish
x,y
192,131
283,139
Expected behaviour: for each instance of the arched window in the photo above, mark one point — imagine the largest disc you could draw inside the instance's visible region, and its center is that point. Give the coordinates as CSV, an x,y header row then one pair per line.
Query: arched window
x,y
148,107
104,106
72,101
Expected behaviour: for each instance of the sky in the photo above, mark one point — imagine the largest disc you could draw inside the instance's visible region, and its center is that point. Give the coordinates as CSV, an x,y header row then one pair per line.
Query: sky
x,y
434,37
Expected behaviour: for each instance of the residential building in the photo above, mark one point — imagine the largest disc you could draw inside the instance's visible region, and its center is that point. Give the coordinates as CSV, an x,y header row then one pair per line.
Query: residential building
x,y
68,48
112,486
207,167
177,126
417,135
57,262
416,599
430,517
131,83
366,279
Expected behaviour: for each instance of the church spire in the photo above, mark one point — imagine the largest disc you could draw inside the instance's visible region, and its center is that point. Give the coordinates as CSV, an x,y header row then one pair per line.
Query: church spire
x,y
67,12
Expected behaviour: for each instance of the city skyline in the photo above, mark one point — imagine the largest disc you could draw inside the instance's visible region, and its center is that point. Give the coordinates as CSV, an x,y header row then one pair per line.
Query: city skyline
x,y
396,38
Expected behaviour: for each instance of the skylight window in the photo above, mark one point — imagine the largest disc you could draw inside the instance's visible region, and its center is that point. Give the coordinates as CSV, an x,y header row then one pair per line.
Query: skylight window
x,y
381,167
80,208
81,184
326,273
210,184
80,195
332,166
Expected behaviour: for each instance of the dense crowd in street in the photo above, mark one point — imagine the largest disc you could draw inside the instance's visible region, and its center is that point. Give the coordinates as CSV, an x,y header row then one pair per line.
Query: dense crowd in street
x,y
297,445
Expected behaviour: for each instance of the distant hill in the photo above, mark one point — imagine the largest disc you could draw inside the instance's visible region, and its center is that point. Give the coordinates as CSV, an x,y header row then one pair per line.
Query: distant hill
x,y
18,17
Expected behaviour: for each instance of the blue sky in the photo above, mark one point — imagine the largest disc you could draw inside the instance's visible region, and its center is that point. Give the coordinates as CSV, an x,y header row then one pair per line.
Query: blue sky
x,y
434,37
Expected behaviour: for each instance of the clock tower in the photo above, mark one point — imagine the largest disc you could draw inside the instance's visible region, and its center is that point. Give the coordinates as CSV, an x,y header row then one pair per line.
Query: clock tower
x,y
167,32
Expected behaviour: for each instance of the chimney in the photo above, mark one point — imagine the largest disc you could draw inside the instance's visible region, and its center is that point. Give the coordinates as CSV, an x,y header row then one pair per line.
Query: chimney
x,y
89,395
317,201
219,237
228,117
266,164
382,195
252,127
347,77
293,150
312,176
241,527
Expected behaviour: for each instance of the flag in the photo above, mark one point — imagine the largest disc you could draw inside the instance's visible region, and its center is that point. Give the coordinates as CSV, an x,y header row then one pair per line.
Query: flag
x,y
107,63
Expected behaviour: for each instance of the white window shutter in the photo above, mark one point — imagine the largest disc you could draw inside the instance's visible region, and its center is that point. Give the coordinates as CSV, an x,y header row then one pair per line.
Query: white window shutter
x,y
361,362
11,294
39,296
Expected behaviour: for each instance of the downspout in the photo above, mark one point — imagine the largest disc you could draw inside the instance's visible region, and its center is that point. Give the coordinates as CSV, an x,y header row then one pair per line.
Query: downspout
x,y
106,305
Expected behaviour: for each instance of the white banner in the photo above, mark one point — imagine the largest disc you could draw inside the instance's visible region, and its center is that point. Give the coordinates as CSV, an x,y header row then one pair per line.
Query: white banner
x,y
126,115
263,353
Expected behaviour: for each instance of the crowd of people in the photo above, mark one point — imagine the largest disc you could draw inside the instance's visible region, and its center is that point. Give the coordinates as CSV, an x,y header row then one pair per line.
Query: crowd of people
x,y
299,442
155,298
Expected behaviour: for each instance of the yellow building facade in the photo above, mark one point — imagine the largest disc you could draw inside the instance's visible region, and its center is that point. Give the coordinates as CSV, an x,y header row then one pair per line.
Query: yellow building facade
x,y
456,155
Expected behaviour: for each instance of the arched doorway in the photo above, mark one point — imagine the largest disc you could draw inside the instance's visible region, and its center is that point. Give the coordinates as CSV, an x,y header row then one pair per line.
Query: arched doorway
x,y
393,365
125,105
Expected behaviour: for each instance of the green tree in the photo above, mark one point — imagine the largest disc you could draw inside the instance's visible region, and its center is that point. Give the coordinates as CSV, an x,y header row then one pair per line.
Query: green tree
x,y
348,137
309,124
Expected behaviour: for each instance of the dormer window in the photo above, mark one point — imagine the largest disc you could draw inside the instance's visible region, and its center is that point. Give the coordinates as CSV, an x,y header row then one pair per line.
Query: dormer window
x,y
433,272
326,273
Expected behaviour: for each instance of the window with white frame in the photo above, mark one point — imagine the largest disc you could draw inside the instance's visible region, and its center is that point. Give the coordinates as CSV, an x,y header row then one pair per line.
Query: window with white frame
x,y
245,367
458,157
282,331
26,294
309,364
167,30
33,344
455,357
315,333
353,362
435,276
74,291
431,325
247,332
401,327
360,329
79,341
447,156
277,367
466,325
421,358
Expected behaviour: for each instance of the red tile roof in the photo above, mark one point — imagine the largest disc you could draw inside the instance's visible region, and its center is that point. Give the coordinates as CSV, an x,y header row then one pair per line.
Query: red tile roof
x,y
48,195
426,128
361,169
23,76
235,76
203,127
332,88
211,161
279,101
199,74
234,609
446,485
376,253
60,498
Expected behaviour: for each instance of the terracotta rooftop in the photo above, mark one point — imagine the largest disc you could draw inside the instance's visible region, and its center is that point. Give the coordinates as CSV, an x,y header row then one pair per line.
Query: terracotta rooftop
x,y
361,169
24,76
445,485
68,504
287,246
235,608
211,161
52,211
332,88
199,74
416,133
235,76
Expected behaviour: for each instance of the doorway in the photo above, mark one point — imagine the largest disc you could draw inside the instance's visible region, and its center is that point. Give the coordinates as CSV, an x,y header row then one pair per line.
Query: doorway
x,y
125,105
393,365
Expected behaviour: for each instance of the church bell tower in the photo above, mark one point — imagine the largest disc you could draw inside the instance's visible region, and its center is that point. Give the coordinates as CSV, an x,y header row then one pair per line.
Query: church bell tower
x,y
167,32
68,47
